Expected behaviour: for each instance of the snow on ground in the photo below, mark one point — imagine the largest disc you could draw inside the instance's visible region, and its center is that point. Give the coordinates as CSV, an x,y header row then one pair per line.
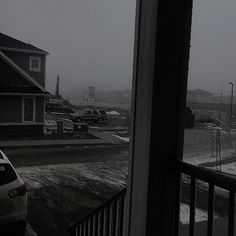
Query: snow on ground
x,y
199,145
207,158
63,193
112,173
200,215
109,176
228,168
114,113
126,139
29,231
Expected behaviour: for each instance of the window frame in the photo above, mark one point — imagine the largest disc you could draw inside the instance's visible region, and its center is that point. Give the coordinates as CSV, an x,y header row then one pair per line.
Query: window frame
x,y
23,110
33,69
160,73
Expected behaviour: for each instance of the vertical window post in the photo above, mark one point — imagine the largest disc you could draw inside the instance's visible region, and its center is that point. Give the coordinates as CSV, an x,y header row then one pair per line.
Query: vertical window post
x,y
162,42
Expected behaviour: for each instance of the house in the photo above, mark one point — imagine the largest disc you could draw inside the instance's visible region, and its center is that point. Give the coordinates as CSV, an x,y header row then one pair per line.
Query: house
x,y
22,87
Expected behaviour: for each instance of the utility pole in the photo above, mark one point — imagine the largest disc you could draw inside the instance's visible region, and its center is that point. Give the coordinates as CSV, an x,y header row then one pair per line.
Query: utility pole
x,y
231,104
221,100
57,93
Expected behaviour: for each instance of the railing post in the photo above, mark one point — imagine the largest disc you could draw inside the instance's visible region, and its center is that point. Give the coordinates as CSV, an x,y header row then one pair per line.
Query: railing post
x,y
100,223
192,206
210,209
231,214
89,226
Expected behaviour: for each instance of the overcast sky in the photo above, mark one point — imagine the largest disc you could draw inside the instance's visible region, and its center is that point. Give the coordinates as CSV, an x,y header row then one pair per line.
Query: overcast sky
x,y
91,41
213,46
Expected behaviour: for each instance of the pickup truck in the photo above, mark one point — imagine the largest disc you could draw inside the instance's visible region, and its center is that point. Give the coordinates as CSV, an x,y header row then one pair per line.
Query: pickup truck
x,y
89,115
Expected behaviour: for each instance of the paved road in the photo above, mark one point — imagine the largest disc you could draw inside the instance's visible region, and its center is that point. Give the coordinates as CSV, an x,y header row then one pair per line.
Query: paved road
x,y
66,183
65,155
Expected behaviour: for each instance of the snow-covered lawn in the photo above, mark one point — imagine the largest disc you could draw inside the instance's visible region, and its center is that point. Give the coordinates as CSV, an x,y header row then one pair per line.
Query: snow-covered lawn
x,y
200,215
79,175
200,145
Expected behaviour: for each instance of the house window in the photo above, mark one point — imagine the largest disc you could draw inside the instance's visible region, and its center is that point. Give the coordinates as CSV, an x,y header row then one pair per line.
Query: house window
x,y
28,110
35,64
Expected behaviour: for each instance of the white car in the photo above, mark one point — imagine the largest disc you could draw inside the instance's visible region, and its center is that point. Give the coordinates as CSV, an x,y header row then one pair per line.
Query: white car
x,y
13,200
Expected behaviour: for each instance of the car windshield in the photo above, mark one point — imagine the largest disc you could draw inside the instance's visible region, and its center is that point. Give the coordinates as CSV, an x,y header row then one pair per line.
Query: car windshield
x,y
7,174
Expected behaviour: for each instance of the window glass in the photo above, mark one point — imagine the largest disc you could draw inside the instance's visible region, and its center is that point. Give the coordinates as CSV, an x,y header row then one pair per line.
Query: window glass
x,y
88,67
7,174
210,115
35,63
210,118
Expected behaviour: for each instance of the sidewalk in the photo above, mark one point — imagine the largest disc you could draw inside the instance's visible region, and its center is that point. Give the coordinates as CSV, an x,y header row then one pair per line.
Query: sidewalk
x,y
114,139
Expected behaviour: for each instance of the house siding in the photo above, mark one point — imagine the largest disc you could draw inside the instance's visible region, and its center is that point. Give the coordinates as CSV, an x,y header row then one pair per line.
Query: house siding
x,y
40,109
22,60
11,117
19,130
11,109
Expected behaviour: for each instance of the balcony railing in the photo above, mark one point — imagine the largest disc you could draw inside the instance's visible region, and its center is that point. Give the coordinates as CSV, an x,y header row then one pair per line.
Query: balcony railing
x,y
214,179
106,220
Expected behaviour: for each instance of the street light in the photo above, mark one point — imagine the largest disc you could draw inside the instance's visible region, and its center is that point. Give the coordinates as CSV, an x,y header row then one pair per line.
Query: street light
x,y
231,104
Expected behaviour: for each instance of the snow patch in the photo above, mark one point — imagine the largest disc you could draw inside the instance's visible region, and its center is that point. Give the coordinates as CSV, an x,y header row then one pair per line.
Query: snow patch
x,y
114,113
200,215
29,231
126,139
112,173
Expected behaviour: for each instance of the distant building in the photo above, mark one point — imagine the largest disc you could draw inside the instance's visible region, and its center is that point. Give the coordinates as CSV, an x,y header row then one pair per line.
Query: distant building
x,y
22,87
91,95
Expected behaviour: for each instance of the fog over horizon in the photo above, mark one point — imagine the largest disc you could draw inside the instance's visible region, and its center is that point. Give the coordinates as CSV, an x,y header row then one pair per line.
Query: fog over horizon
x,y
91,41
213,46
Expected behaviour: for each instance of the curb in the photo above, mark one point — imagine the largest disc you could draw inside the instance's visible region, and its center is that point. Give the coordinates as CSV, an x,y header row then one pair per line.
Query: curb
x,y
60,143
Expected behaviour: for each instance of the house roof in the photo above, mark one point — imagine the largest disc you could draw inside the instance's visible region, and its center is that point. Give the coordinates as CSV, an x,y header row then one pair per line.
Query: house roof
x,y
30,86
11,44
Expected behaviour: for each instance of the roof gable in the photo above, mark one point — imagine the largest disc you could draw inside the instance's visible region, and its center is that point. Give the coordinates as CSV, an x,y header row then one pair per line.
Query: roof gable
x,y
12,44
15,80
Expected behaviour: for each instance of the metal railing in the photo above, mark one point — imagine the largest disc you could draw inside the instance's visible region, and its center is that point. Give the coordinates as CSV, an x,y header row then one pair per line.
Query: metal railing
x,y
106,220
213,179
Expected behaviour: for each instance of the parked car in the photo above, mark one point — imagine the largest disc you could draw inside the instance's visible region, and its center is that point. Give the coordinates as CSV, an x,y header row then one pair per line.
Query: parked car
x,y
103,114
13,200
89,115
57,108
